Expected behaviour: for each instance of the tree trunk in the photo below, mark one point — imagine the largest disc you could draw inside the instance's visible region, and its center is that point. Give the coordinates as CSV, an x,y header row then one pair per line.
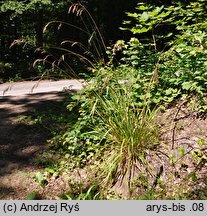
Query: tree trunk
x,y
39,28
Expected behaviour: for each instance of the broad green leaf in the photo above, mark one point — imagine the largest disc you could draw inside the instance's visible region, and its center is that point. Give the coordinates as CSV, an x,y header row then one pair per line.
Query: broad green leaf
x,y
186,85
142,7
144,16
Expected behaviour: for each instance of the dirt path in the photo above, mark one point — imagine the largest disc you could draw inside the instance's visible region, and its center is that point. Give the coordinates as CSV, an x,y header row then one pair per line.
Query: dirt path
x,y
43,86
19,142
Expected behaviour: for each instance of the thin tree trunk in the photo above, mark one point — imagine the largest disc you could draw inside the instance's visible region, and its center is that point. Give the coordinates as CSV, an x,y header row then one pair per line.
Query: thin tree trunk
x,y
39,28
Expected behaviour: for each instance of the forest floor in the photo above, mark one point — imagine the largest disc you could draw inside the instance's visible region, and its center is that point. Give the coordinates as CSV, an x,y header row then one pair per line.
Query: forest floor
x,y
22,140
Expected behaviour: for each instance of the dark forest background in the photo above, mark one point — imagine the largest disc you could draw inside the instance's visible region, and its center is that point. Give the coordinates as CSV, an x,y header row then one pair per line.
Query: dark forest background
x,y
22,23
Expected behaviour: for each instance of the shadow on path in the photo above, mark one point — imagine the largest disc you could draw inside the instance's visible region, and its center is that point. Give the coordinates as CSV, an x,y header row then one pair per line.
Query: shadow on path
x,y
20,140
25,126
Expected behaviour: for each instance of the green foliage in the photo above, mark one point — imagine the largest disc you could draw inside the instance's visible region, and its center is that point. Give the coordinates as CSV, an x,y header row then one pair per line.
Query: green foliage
x,y
179,69
40,179
79,193
19,7
176,18
13,5
78,144
147,17
167,79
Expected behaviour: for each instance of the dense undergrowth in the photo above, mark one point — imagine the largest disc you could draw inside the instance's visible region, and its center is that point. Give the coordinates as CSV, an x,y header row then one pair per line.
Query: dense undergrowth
x,y
116,134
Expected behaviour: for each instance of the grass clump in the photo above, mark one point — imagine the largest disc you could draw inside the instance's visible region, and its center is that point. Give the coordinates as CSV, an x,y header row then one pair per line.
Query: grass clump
x,y
131,133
